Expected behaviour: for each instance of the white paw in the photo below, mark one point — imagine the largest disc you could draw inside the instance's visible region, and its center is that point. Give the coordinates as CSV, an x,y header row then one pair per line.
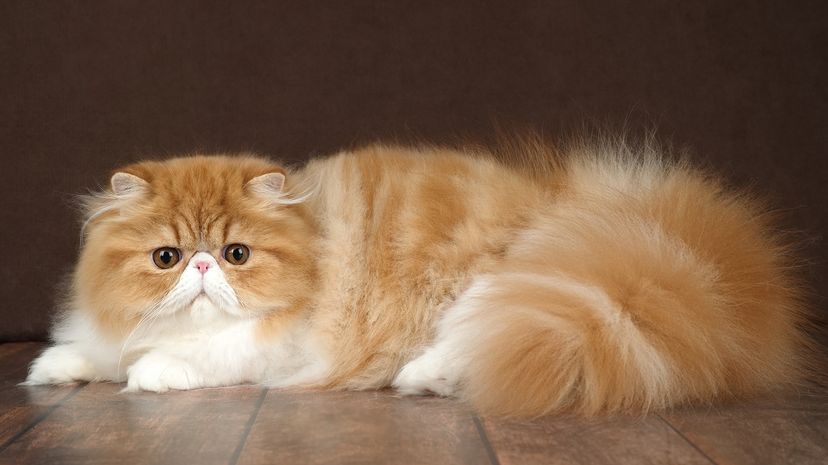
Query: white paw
x,y
60,365
427,374
158,372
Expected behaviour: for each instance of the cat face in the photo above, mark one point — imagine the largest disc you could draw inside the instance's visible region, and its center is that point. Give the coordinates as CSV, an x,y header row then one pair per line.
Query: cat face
x,y
221,230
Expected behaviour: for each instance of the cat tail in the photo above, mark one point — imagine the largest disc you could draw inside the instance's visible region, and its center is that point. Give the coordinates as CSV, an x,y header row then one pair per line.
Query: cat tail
x,y
655,291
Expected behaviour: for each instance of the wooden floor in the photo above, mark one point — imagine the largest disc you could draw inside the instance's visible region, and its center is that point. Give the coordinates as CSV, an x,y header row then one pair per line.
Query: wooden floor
x,y
249,425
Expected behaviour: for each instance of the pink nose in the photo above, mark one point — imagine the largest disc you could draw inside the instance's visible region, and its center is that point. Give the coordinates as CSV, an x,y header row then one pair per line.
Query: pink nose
x,y
202,266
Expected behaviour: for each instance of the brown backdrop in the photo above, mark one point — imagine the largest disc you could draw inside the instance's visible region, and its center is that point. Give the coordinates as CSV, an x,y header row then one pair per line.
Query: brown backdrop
x,y
84,90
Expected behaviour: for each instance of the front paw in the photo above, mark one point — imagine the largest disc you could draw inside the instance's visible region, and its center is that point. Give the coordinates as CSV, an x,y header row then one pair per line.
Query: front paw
x,y
158,372
60,365
426,374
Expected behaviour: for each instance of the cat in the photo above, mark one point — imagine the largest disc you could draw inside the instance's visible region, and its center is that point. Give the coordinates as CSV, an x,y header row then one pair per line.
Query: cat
x,y
592,279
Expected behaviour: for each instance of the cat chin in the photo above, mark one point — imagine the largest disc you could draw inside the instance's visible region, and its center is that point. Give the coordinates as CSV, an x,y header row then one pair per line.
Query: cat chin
x,y
204,310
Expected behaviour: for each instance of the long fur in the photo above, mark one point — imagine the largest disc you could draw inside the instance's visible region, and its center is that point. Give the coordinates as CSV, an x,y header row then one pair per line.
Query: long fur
x,y
597,277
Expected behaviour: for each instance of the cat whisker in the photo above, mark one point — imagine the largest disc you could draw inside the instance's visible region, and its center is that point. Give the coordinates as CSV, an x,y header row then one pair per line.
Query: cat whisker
x,y
147,320
145,317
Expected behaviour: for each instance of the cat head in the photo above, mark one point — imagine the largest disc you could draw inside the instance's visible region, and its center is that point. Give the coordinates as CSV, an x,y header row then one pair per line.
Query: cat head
x,y
213,229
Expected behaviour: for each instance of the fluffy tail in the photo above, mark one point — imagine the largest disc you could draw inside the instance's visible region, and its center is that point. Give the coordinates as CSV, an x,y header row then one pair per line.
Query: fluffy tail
x,y
640,287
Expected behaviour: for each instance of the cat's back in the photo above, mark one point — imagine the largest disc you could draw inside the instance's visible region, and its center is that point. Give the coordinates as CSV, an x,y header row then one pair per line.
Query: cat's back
x,y
422,195
413,169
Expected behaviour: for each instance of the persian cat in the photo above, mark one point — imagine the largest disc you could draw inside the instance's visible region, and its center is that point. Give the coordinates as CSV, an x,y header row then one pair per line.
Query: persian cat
x,y
592,279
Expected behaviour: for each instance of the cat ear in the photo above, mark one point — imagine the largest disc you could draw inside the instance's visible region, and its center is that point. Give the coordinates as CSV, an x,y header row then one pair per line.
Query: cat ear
x,y
127,185
124,187
271,188
268,185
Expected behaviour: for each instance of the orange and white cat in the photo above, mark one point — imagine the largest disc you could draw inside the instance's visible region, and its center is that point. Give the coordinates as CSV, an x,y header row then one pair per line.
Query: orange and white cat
x,y
595,279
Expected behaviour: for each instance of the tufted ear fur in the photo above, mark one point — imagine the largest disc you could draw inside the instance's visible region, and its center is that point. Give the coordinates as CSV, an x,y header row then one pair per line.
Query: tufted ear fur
x,y
268,185
124,187
127,185
271,188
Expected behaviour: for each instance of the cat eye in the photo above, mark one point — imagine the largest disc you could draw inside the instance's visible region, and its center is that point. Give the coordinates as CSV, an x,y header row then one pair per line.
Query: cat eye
x,y
166,257
236,254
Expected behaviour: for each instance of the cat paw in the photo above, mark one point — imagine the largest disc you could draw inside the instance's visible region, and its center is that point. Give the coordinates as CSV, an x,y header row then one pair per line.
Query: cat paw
x,y
160,373
425,375
60,364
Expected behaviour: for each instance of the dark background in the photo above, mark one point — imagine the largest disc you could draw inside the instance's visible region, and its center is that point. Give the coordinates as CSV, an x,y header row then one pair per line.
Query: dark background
x,y
88,88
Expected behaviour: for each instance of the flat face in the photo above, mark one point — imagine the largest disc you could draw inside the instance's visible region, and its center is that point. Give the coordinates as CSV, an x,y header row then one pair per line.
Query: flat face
x,y
194,227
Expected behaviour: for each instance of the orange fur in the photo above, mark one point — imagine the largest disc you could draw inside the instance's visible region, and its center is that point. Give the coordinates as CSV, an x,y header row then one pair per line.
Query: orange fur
x,y
197,203
614,280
